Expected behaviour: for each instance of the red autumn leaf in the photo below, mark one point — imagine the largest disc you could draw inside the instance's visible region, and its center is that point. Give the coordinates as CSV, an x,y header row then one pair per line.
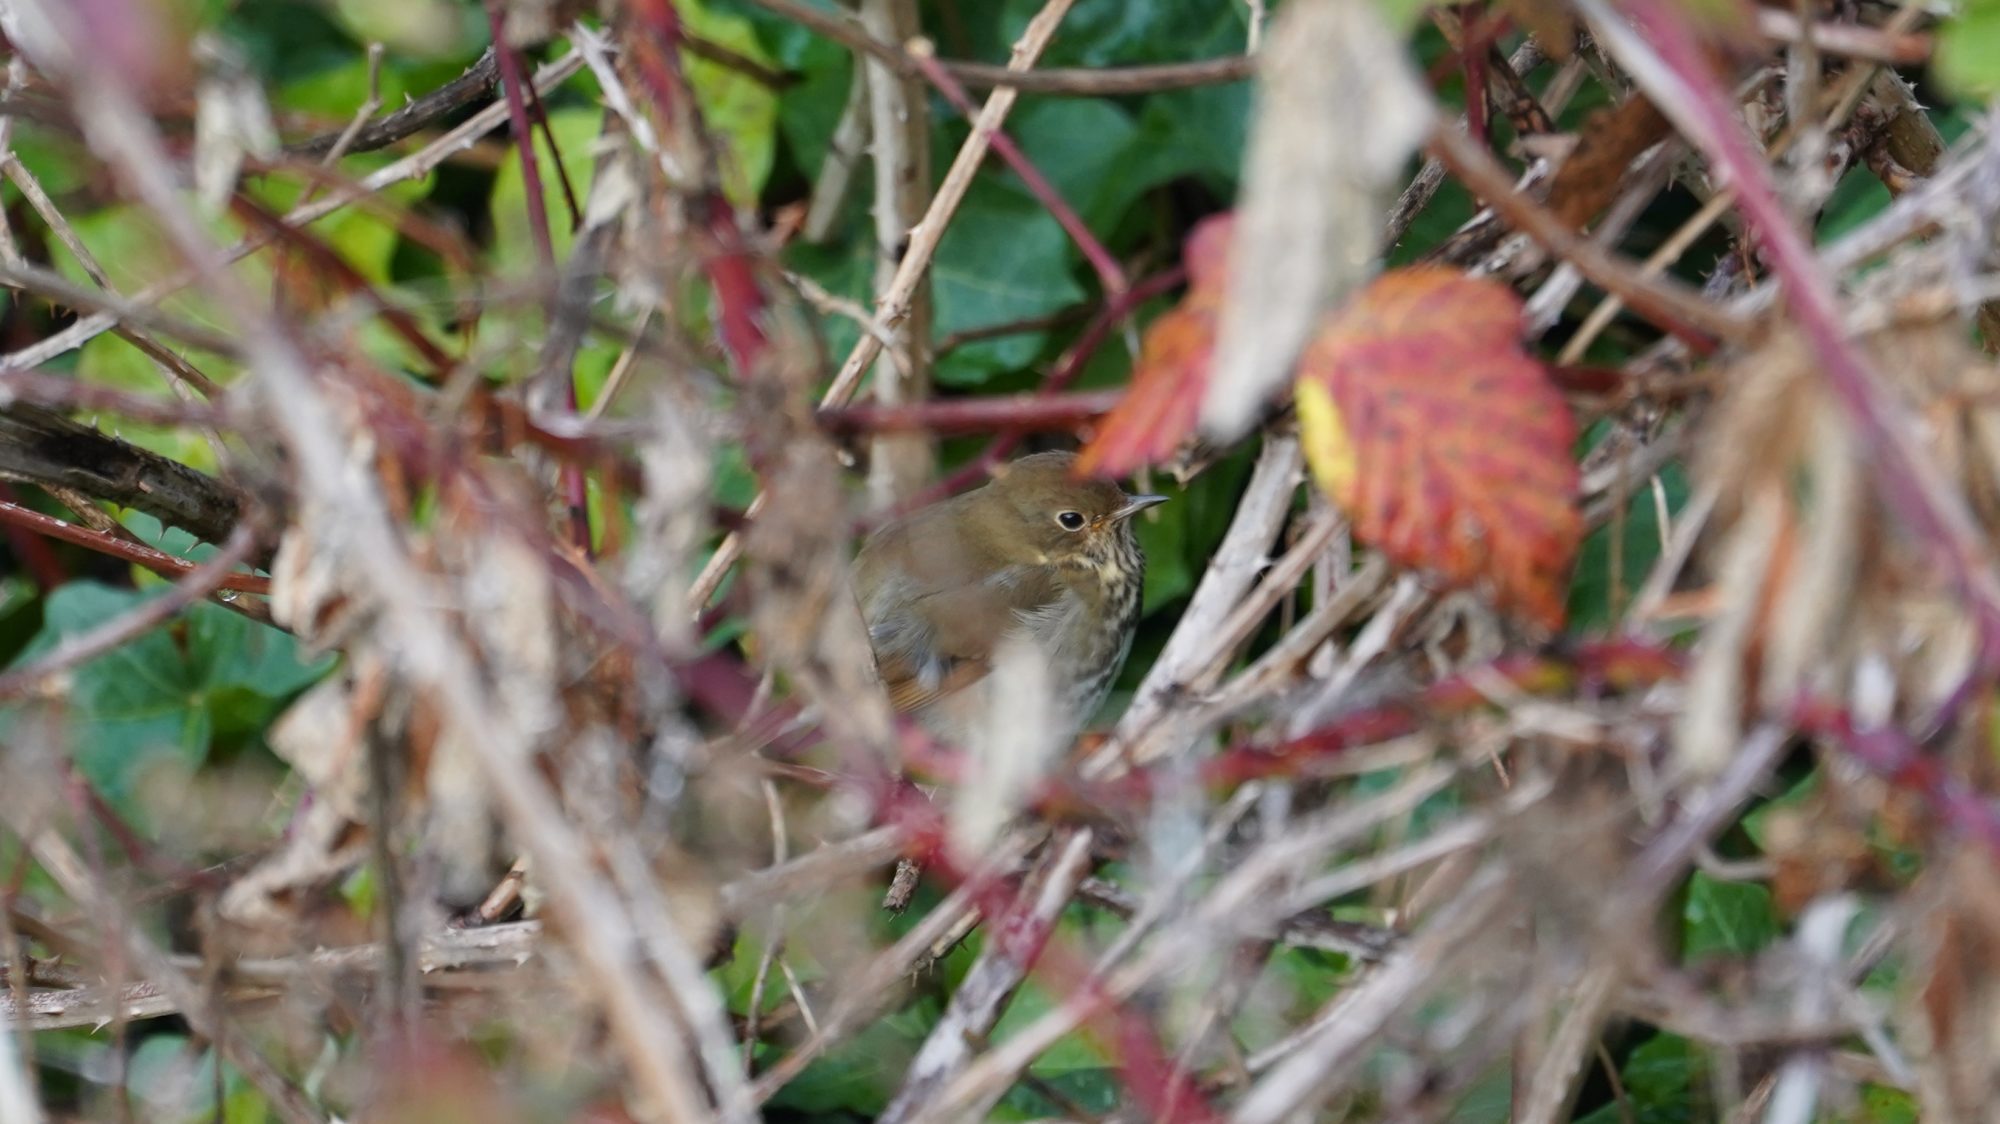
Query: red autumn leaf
x,y
1446,443
1159,410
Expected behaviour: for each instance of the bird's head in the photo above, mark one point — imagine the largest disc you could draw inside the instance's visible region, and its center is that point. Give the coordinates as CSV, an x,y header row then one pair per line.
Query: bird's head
x,y
1062,518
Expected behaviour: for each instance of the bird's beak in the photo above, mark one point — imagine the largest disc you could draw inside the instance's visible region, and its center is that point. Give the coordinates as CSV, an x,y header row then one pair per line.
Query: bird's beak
x,y
1134,505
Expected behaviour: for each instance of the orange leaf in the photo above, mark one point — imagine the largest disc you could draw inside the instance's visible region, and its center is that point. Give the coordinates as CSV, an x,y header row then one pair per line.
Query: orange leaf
x,y
1446,443
1159,409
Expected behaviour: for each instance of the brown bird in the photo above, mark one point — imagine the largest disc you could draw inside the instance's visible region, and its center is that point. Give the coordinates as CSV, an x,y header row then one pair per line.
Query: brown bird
x,y
1035,555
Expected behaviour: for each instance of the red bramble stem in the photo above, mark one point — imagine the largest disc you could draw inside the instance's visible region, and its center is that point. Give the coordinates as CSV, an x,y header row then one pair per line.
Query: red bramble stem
x,y
1020,413
14,515
1108,273
576,492
1895,757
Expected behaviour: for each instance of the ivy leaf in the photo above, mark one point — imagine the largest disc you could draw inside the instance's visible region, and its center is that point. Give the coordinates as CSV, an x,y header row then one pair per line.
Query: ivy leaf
x,y
1199,132
1159,411
162,698
1727,918
1003,260
1448,446
810,112
1083,145
1666,1082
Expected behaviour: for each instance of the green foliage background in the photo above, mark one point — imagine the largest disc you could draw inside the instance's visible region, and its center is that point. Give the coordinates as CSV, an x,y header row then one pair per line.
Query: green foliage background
x,y
1139,170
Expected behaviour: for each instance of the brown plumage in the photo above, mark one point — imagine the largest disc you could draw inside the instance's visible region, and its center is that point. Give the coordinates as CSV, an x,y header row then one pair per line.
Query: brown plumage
x,y
1037,555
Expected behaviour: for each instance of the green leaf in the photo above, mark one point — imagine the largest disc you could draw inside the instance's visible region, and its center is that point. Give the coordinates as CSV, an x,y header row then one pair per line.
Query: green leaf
x,y
735,483
365,238
229,652
19,616
1449,209
1858,197
172,1078
1968,49
1666,1082
245,1103
1489,1101
432,28
1731,918
738,110
341,89
1140,31
112,361
1402,14
1191,527
1083,146
360,891
159,700
810,111
1071,1053
1169,575
810,107
1193,133
863,1074
513,239
1196,132
290,41
1592,604
1003,260
130,708
61,164
1098,1091
1199,132
1881,1104
165,539
845,270
125,243
1308,977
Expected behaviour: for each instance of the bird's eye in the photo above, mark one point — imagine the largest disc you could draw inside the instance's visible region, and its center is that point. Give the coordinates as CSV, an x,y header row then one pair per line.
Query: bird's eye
x,y
1070,520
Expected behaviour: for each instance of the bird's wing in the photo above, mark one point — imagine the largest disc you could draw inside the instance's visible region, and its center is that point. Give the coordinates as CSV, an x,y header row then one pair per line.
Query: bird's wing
x,y
935,615
911,689
933,645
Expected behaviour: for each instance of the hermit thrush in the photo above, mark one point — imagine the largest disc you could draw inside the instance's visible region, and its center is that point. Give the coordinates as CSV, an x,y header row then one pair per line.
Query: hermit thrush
x,y
1035,561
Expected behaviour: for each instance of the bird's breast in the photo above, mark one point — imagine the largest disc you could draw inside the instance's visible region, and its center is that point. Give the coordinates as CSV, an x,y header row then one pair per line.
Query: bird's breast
x,y
1086,631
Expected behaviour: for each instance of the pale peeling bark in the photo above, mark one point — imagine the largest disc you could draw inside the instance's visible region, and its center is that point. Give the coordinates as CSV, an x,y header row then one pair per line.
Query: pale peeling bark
x,y
899,117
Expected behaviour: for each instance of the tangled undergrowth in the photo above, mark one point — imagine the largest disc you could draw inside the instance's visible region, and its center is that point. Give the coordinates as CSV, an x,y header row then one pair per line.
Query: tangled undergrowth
x,y
1562,691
